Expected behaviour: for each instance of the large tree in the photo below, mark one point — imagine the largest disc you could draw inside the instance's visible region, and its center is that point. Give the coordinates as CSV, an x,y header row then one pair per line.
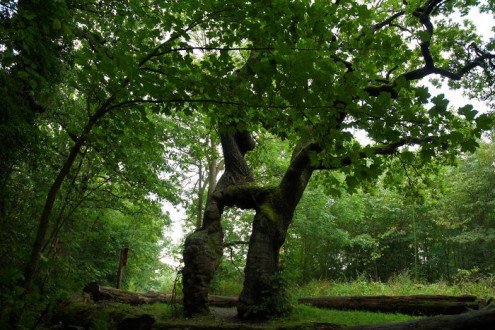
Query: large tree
x,y
316,73
311,72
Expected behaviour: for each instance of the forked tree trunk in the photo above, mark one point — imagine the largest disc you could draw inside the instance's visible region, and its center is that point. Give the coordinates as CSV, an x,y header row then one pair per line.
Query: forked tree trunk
x,y
263,294
203,249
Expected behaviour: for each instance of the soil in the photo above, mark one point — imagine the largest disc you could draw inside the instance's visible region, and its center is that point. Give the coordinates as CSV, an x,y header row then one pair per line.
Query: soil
x,y
228,314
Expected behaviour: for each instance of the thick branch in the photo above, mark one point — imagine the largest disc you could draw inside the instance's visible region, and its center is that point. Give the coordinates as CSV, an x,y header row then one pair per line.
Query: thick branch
x,y
244,196
388,149
387,22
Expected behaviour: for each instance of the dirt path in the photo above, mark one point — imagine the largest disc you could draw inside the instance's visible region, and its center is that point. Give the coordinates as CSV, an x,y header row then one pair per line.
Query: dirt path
x,y
228,314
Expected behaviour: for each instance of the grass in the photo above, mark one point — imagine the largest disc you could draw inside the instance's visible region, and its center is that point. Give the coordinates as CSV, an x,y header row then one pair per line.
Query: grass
x,y
300,316
307,314
401,284
106,316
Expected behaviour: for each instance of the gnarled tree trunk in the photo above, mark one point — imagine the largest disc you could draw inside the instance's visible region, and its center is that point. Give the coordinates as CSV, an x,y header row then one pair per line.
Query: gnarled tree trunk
x,y
203,249
263,293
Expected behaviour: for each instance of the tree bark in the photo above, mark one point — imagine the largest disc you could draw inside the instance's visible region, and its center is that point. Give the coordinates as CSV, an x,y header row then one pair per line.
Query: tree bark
x,y
263,294
411,305
104,293
203,249
44,221
201,191
474,320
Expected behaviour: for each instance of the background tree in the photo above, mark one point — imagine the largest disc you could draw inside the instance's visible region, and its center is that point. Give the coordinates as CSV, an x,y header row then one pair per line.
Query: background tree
x,y
395,228
35,48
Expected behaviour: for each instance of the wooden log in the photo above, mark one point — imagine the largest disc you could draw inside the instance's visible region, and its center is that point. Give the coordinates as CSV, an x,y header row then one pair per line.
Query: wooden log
x,y
99,293
474,320
412,305
78,313
482,319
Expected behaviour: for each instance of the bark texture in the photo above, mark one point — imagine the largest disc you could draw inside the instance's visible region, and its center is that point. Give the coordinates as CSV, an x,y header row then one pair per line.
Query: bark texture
x,y
203,249
104,293
411,305
263,294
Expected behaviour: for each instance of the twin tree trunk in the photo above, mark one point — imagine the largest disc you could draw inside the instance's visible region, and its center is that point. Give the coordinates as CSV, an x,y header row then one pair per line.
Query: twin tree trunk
x,y
262,295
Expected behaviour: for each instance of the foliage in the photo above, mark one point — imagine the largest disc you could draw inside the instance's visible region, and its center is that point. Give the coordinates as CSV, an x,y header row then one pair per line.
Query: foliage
x,y
35,47
401,284
111,200
108,316
303,314
431,225
107,105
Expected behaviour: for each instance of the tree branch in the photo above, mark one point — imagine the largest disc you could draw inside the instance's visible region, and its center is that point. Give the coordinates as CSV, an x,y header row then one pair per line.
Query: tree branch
x,y
423,14
234,243
387,149
244,196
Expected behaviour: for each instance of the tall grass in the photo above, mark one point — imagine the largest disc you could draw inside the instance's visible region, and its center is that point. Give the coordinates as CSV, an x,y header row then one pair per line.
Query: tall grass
x,y
401,284
303,314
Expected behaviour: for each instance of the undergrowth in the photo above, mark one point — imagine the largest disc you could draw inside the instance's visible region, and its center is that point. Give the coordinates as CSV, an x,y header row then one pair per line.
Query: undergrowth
x,y
106,316
308,314
401,284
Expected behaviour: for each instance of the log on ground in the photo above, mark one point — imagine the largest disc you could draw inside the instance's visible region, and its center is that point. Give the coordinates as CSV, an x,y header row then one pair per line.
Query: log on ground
x,y
99,293
482,319
412,305
78,313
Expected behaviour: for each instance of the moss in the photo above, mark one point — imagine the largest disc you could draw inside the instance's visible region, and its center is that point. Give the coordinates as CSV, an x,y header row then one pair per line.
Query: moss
x,y
105,315
271,213
213,249
111,315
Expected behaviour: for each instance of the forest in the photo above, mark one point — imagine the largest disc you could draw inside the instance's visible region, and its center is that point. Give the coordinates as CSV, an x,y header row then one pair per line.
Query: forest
x,y
264,151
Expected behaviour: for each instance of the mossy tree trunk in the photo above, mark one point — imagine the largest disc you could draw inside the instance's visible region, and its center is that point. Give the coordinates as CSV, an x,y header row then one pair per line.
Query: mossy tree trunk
x,y
203,249
274,207
263,294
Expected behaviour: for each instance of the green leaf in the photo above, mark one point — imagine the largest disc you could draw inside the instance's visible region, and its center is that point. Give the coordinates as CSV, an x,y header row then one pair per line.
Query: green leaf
x,y
424,36
56,24
470,145
456,137
468,112
440,105
485,121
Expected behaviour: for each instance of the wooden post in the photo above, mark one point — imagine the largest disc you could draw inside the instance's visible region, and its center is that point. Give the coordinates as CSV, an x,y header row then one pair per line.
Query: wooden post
x,y
123,262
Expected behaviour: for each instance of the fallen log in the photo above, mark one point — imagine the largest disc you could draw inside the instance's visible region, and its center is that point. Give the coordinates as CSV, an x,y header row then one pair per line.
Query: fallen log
x,y
78,313
411,305
482,319
99,293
